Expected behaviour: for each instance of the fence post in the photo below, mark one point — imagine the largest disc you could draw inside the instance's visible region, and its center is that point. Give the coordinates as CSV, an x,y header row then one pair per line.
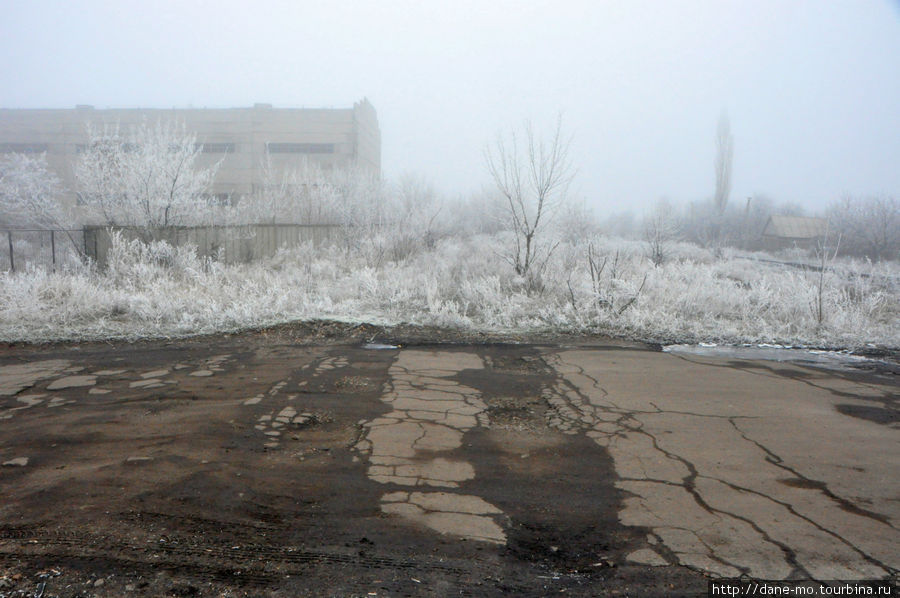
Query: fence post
x,y
53,248
12,262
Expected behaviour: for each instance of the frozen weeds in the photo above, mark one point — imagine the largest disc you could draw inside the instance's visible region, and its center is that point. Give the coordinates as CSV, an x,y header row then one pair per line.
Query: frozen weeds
x,y
461,283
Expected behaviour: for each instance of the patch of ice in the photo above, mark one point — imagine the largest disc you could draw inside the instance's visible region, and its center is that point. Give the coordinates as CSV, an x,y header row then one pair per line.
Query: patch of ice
x,y
773,352
379,346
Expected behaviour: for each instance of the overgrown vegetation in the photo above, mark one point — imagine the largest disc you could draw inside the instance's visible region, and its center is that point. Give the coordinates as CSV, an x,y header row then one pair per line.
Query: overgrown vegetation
x,y
607,285
405,256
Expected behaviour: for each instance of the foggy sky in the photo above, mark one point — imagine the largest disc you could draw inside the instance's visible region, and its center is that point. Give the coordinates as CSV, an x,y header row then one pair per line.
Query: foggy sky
x,y
812,89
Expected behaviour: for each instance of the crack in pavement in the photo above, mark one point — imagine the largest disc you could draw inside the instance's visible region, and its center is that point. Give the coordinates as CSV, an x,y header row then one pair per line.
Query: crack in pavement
x,y
430,414
845,504
698,482
872,390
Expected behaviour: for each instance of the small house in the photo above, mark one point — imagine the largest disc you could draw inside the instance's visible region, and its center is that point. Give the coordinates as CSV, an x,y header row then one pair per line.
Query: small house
x,y
793,231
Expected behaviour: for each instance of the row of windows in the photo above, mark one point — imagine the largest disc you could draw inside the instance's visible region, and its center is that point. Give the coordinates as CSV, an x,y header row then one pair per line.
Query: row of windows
x,y
23,148
216,148
80,148
300,148
218,199
206,148
292,189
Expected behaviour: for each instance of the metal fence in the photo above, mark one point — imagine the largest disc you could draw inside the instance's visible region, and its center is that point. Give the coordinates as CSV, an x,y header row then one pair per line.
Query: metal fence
x,y
228,244
24,248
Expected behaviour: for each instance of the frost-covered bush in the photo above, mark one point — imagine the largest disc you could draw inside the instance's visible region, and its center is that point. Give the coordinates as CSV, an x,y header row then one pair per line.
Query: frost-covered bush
x,y
134,261
459,281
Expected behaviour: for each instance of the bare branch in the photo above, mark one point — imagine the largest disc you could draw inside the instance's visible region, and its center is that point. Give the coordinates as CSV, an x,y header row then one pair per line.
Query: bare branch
x,y
532,175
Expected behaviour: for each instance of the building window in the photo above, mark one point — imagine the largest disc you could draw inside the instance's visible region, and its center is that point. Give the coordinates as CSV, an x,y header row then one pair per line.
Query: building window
x,y
216,148
300,148
23,148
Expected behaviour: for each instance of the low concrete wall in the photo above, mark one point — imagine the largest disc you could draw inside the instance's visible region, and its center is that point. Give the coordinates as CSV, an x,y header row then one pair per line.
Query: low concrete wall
x,y
228,244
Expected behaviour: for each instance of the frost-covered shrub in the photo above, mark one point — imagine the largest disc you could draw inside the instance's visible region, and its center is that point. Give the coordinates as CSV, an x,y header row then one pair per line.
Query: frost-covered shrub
x,y
135,261
156,290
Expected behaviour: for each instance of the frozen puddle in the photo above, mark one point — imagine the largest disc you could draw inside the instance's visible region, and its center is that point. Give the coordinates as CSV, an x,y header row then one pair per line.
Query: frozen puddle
x,y
827,359
379,347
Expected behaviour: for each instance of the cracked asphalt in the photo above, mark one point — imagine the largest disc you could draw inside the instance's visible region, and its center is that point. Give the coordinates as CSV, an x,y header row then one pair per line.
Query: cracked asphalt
x,y
267,464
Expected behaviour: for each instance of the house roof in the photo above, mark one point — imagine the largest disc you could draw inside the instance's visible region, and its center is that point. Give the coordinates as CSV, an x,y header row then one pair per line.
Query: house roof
x,y
794,227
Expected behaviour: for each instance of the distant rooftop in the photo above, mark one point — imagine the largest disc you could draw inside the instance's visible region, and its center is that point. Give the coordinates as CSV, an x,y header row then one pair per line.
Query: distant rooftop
x,y
257,106
795,227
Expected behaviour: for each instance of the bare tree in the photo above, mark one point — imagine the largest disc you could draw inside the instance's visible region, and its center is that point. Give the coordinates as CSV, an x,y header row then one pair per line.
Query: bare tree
x,y
148,177
532,175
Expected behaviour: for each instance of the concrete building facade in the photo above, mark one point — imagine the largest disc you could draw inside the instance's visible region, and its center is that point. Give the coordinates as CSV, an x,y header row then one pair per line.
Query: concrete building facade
x,y
241,139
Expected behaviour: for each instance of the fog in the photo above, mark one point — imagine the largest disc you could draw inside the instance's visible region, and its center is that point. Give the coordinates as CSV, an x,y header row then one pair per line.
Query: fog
x,y
811,89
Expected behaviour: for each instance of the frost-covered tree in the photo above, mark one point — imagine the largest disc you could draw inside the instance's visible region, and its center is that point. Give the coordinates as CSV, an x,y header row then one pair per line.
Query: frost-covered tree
x,y
355,196
412,224
532,175
869,227
30,194
660,230
576,222
723,163
146,177
296,195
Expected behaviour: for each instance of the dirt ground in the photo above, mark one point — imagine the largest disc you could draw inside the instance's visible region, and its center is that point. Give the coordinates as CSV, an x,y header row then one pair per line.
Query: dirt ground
x,y
298,461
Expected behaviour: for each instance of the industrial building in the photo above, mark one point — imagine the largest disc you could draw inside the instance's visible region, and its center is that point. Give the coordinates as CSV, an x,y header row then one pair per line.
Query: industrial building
x,y
240,139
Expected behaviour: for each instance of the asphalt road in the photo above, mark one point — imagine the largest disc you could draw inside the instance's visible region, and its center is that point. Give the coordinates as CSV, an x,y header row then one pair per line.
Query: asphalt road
x,y
260,464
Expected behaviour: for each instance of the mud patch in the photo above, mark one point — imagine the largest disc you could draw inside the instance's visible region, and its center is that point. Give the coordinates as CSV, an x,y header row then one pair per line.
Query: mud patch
x,y
355,384
560,499
515,413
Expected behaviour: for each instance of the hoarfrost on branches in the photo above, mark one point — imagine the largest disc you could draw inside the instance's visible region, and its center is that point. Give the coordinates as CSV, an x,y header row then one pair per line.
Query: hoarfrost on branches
x,y
30,194
145,177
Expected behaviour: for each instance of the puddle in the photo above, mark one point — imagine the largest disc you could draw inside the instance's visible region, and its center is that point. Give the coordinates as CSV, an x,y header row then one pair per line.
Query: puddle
x,y
836,360
379,346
